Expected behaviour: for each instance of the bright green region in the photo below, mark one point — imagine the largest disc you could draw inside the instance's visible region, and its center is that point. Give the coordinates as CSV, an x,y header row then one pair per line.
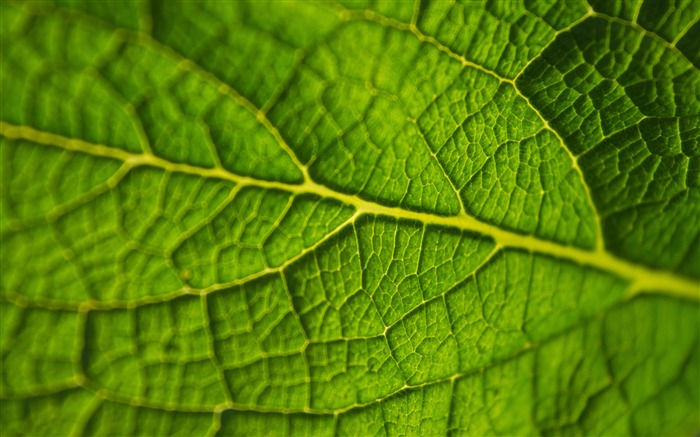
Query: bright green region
x,y
490,323
146,421
360,217
142,221
572,386
63,414
253,45
345,115
327,291
79,413
159,353
255,318
275,382
53,82
29,365
350,372
581,389
400,11
238,241
128,14
399,259
66,176
126,90
192,131
244,423
502,36
424,345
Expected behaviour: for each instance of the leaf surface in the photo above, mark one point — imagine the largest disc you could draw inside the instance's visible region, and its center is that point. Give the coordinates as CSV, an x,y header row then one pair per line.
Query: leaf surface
x,y
475,218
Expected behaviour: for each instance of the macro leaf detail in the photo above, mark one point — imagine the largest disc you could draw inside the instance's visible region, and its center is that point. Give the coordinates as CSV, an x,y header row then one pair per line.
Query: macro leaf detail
x,y
350,217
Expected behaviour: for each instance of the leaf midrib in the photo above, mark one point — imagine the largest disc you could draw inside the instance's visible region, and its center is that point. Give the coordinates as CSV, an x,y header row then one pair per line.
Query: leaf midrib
x,y
642,278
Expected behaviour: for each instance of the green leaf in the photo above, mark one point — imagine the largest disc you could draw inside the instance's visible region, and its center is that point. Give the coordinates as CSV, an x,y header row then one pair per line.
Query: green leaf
x,y
393,218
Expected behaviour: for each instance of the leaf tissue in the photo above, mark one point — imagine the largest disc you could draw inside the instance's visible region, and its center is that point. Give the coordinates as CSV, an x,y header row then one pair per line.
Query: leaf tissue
x,y
357,217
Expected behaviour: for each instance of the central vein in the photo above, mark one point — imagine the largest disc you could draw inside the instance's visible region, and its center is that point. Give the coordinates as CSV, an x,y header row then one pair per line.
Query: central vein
x,y
642,278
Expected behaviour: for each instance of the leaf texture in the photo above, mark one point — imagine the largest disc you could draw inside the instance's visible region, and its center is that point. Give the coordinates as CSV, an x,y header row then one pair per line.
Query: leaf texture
x,y
350,218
